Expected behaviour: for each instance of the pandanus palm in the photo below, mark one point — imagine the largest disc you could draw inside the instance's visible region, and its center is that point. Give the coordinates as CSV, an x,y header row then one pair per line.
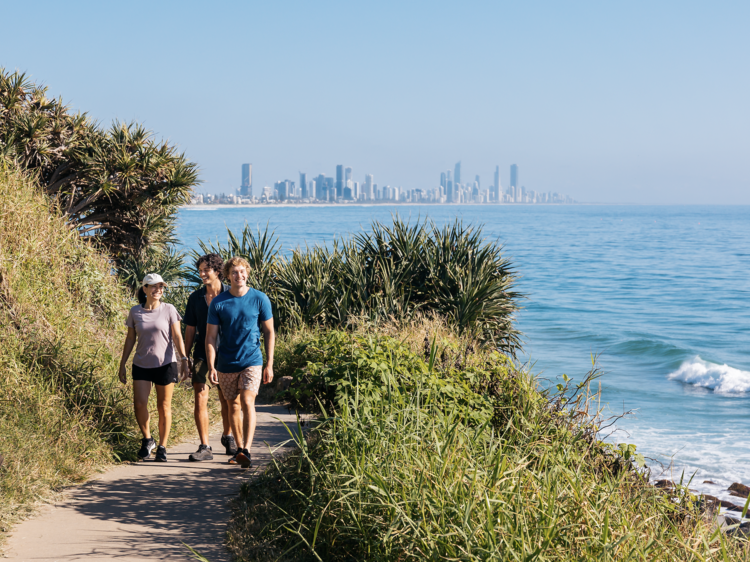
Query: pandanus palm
x,y
387,273
118,187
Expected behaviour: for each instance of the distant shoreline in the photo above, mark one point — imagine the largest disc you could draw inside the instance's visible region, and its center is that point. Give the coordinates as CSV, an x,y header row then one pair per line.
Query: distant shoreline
x,y
210,206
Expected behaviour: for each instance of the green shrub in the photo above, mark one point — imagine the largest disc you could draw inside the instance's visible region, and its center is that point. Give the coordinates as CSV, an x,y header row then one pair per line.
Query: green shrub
x,y
391,273
398,470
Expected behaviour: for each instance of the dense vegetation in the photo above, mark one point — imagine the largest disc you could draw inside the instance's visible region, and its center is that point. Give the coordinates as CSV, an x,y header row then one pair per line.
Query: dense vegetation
x,y
446,453
431,443
117,187
63,412
390,273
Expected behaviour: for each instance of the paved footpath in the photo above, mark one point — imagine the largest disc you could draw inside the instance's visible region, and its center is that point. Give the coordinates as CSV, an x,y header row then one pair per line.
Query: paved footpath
x,y
146,510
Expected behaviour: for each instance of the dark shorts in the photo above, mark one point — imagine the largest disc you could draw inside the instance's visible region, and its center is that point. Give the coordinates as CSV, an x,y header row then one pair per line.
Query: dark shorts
x,y
164,375
199,373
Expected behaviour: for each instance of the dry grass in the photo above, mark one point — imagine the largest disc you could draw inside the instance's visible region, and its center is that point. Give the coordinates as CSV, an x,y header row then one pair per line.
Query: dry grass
x,y
63,413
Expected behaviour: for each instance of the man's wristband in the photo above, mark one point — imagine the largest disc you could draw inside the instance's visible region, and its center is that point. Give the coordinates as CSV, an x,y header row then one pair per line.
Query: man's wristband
x,y
184,359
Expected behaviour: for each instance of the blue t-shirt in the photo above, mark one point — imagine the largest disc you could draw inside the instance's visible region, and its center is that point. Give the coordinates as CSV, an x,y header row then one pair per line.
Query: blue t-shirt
x,y
239,321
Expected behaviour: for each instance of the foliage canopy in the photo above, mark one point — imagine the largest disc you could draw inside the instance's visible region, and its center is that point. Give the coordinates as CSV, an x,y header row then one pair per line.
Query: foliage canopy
x,y
117,186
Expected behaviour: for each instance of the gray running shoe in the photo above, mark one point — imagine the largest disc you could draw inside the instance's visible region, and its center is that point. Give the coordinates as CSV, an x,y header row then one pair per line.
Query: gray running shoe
x,y
161,454
147,445
204,453
230,444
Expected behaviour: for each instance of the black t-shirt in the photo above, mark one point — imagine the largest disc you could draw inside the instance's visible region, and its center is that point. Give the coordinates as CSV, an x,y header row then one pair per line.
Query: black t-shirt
x,y
196,315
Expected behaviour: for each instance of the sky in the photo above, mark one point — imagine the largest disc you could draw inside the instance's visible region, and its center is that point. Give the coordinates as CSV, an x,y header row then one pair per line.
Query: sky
x,y
611,102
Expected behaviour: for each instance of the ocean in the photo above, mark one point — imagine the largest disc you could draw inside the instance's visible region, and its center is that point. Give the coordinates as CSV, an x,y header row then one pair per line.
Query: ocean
x,y
660,295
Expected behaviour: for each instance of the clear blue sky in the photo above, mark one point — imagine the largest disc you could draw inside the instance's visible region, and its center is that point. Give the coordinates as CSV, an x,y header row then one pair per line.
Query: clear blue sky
x,y
606,101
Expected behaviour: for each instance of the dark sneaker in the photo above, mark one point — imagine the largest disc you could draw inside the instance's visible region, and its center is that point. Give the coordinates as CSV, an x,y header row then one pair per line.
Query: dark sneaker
x,y
230,444
243,458
147,445
204,453
161,454
233,458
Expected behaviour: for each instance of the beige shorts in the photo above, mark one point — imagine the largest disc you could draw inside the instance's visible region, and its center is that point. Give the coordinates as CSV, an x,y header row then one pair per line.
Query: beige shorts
x,y
247,379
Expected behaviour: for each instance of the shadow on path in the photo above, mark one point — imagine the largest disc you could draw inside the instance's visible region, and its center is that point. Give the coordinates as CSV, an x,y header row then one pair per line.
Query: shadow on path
x,y
145,511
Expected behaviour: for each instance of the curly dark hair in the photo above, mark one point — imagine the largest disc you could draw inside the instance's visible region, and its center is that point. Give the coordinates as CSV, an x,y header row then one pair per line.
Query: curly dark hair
x,y
213,261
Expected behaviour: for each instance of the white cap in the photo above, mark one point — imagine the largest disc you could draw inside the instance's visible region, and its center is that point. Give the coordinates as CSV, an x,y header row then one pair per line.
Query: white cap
x,y
152,279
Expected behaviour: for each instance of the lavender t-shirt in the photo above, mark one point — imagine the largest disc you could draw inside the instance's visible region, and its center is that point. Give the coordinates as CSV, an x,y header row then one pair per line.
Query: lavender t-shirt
x,y
155,347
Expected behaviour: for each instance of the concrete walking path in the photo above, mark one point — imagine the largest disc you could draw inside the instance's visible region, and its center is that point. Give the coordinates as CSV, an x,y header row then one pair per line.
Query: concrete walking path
x,y
146,510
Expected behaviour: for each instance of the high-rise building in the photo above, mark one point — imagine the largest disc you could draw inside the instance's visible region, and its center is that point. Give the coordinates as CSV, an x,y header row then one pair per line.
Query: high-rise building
x,y
347,176
280,188
339,181
442,179
449,191
320,188
368,191
303,185
246,189
496,191
284,190
457,172
513,175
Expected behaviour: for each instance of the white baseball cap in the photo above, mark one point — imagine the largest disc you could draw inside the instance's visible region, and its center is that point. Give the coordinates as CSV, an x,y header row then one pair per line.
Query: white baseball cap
x,y
152,279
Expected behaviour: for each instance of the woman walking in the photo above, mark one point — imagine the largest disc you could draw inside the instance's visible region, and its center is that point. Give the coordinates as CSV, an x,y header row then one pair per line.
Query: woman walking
x,y
155,326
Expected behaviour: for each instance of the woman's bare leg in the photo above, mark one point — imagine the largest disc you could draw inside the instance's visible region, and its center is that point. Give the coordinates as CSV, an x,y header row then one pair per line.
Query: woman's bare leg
x,y
141,391
164,404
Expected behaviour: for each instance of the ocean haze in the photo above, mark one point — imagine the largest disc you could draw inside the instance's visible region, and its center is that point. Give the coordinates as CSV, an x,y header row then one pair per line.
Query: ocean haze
x,y
636,103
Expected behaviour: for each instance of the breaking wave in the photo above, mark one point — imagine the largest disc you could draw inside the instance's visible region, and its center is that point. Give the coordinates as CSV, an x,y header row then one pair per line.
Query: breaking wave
x,y
722,379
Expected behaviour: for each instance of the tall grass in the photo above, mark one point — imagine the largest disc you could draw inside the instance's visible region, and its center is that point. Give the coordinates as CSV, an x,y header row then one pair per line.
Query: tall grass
x,y
389,273
63,412
406,464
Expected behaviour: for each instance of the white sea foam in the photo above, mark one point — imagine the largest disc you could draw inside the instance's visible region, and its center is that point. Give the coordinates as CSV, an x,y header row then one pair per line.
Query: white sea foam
x,y
722,379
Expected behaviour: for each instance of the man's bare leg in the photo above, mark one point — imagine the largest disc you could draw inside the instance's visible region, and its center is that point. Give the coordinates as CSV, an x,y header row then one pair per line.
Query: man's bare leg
x,y
201,411
235,420
248,410
225,414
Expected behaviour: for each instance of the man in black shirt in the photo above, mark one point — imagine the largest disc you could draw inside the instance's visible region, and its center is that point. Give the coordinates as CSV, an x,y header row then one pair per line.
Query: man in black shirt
x,y
196,314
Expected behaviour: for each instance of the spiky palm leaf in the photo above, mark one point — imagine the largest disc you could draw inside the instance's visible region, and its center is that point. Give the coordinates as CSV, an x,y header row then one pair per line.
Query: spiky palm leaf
x,y
117,186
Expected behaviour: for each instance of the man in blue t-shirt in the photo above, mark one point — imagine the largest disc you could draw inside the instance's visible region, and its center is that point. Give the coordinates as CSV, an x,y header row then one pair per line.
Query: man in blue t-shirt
x,y
238,316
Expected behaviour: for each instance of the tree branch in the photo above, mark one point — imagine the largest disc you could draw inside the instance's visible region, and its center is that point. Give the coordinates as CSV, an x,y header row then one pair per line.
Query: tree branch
x,y
60,169
55,187
85,202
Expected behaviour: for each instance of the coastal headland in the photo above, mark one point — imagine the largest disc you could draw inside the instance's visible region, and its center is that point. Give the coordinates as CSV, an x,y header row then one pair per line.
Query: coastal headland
x,y
431,440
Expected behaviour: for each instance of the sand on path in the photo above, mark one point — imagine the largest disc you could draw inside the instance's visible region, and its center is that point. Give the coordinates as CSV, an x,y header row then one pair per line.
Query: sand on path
x,y
146,510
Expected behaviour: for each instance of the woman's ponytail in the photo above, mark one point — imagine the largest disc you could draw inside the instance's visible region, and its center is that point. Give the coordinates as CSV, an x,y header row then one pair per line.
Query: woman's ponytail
x,y
141,296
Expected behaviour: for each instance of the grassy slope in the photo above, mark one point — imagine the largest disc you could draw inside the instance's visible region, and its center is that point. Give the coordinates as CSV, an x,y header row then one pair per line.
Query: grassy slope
x,y
402,473
63,413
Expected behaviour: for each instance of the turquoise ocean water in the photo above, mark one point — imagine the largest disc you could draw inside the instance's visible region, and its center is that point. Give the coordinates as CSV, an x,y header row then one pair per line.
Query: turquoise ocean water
x,y
661,294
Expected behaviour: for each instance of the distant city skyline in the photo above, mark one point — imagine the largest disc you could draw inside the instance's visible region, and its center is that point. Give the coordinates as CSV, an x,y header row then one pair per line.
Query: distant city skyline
x,y
343,189
627,103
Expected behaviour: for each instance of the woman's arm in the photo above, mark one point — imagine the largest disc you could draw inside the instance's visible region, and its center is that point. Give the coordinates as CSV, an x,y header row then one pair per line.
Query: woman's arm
x,y
177,337
126,351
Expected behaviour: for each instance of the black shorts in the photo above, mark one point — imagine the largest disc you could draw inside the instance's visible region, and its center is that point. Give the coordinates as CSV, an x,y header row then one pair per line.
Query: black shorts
x,y
164,375
199,372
